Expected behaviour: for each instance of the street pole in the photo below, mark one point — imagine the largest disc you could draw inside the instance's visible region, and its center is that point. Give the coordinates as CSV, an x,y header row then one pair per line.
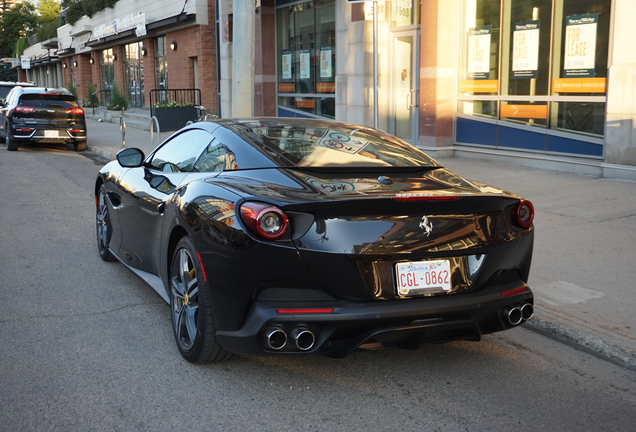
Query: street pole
x,y
375,64
243,59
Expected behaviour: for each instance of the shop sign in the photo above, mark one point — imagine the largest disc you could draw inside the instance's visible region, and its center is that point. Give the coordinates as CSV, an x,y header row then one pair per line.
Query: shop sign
x,y
525,50
325,62
479,86
524,111
479,52
580,45
305,69
287,65
118,25
578,85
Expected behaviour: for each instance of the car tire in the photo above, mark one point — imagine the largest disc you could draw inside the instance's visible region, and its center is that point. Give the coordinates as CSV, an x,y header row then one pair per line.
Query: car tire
x,y
79,145
103,225
191,308
12,144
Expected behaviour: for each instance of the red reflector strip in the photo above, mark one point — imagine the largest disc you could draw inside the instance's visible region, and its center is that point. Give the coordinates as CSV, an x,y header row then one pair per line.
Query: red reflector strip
x,y
24,130
304,311
202,271
425,197
514,291
76,130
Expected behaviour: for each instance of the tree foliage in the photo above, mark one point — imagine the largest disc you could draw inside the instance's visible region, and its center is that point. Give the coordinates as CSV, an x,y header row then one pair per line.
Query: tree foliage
x,y
17,22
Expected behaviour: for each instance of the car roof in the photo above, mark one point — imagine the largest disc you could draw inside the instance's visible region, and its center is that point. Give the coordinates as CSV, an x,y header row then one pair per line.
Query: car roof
x,y
48,90
16,83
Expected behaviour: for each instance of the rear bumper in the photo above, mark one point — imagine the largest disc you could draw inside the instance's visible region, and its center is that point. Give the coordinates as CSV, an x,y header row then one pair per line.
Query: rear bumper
x,y
63,134
407,322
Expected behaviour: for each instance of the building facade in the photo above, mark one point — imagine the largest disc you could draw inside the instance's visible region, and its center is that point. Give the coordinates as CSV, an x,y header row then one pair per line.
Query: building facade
x,y
547,83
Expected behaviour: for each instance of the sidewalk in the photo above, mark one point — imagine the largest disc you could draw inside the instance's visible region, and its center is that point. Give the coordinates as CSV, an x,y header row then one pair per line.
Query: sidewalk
x,y
584,264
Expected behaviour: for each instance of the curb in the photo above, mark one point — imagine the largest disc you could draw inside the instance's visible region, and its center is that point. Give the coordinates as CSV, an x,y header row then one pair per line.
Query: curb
x,y
584,342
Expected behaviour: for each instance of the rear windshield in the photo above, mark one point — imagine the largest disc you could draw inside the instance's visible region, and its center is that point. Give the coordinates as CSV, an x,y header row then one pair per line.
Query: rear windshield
x,y
48,100
4,91
317,143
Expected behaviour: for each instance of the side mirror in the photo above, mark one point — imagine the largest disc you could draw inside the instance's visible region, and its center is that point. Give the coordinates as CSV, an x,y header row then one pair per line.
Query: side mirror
x,y
130,158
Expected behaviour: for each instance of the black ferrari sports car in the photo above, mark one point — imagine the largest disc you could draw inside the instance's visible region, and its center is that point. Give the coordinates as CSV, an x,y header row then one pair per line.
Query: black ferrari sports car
x,y
274,236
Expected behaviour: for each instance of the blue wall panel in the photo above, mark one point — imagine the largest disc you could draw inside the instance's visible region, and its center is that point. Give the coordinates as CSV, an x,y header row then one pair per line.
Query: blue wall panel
x,y
282,112
521,139
476,132
565,145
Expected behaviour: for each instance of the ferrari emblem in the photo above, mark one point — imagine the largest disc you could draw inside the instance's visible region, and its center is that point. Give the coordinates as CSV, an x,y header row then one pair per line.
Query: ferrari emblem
x,y
426,225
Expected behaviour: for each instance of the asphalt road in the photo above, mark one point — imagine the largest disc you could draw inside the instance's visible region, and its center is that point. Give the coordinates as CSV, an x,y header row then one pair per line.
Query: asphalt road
x,y
85,345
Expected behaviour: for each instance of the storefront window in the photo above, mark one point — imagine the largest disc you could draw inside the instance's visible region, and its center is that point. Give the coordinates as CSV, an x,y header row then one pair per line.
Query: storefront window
x,y
306,57
546,68
161,64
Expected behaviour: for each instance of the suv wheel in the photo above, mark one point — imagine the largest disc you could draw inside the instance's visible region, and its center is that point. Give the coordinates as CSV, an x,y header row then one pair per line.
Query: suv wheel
x,y
12,144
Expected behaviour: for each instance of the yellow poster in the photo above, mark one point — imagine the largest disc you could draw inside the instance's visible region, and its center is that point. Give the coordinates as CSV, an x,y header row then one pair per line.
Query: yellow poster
x,y
578,85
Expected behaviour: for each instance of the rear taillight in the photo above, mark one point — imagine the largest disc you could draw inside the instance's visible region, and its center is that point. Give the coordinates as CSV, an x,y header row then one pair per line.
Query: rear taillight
x,y
75,110
264,221
523,214
24,109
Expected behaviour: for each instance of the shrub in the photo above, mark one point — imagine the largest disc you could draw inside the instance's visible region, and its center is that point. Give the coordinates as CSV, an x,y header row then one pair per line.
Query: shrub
x,y
91,100
117,99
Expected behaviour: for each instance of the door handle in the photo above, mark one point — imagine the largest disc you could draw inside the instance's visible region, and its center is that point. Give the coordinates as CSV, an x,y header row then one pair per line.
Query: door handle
x,y
408,101
161,208
414,98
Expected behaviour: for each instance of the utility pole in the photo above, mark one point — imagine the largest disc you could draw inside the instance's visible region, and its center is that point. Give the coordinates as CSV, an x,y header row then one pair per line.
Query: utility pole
x,y
243,58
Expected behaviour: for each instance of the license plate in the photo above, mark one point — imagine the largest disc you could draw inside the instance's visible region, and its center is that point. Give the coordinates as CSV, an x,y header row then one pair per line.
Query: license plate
x,y
51,134
423,277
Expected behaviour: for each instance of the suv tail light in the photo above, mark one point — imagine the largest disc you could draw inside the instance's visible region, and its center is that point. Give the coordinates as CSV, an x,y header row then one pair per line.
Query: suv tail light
x,y
523,214
265,221
24,109
75,110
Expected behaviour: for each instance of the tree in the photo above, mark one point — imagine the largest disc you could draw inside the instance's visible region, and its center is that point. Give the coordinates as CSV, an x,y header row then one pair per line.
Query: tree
x,y
17,22
49,10
48,20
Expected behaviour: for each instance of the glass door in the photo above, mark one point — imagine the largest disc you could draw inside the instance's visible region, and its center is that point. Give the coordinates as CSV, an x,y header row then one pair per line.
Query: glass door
x,y
134,70
405,86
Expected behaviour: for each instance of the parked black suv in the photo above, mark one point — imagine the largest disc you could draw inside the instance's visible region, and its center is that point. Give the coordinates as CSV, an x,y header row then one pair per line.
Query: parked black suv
x,y
40,114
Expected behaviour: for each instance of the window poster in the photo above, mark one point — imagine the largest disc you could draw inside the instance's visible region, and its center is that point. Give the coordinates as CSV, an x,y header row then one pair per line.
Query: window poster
x,y
479,52
525,50
580,46
287,65
325,62
305,71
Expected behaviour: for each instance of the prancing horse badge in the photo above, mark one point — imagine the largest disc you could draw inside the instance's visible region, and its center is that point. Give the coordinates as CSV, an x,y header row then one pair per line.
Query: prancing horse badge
x,y
426,225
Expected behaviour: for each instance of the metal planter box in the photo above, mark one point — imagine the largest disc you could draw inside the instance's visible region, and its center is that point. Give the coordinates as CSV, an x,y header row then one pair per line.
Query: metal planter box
x,y
171,119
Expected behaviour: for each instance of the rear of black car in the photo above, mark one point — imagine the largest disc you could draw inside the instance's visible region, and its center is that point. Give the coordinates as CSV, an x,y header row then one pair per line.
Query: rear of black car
x,y
47,116
358,239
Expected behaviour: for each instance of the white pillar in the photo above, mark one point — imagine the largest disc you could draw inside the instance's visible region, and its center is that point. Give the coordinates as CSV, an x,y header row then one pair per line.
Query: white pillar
x,y
243,59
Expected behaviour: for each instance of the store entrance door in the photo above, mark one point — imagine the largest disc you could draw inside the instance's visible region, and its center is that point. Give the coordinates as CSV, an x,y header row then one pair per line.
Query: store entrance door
x,y
405,79
134,75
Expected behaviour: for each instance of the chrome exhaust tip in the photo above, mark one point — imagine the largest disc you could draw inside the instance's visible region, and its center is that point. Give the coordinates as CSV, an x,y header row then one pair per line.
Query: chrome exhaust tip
x,y
275,338
527,310
303,338
514,315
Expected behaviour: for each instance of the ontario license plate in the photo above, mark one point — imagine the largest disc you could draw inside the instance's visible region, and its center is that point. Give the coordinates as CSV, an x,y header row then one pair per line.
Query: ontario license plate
x,y
51,134
423,277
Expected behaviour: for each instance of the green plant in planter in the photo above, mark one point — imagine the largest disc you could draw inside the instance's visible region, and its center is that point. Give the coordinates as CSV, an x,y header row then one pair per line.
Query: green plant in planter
x,y
117,99
173,104
91,100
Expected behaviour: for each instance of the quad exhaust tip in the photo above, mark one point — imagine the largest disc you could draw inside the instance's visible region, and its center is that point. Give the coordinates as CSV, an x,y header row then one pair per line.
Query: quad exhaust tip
x,y
303,338
527,310
514,315
275,338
